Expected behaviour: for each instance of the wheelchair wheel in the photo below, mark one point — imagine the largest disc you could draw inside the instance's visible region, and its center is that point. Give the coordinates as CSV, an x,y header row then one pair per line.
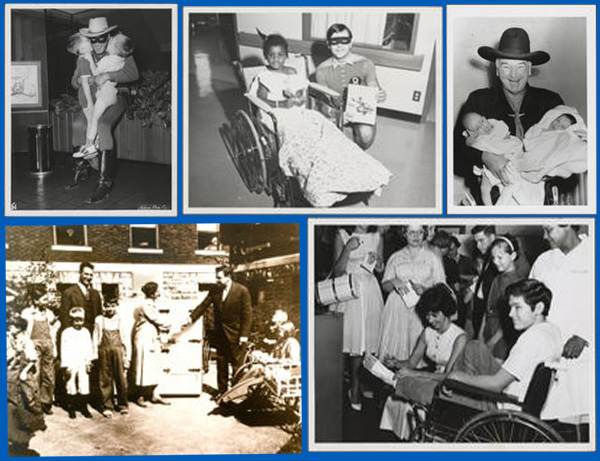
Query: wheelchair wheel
x,y
253,155
230,139
507,427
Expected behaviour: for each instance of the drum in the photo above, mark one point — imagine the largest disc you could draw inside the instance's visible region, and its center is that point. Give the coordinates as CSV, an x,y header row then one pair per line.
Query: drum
x,y
337,290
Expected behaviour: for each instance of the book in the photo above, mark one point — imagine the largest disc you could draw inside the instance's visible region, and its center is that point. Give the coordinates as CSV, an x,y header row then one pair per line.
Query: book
x,y
361,104
369,263
408,295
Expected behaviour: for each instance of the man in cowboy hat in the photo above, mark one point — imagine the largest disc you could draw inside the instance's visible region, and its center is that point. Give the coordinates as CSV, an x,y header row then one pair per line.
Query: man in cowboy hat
x,y
513,101
99,32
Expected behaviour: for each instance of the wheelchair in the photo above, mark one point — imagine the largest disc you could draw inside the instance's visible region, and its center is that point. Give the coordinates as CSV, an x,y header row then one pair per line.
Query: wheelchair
x,y
461,413
253,141
265,382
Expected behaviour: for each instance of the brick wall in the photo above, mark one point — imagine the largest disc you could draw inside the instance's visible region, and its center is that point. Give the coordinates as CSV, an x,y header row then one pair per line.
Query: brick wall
x,y
274,288
109,243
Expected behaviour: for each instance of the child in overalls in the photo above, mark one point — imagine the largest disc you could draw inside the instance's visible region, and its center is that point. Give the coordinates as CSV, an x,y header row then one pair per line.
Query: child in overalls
x,y
113,358
77,354
41,329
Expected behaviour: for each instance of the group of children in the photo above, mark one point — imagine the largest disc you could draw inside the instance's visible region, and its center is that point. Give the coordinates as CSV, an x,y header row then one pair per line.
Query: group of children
x,y
34,336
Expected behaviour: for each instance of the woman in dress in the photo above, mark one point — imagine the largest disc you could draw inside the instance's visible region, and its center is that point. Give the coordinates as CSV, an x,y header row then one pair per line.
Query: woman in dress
x,y
441,342
358,251
497,331
407,274
146,347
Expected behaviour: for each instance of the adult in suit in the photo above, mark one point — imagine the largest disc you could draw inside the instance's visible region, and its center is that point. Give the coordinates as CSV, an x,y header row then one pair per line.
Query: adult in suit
x,y
81,295
512,101
484,236
233,319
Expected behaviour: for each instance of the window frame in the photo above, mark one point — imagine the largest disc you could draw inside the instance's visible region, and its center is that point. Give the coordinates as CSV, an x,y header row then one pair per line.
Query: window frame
x,y
359,47
60,247
202,252
133,249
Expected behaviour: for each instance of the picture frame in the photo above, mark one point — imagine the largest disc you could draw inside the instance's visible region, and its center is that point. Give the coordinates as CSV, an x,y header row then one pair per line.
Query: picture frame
x,y
26,85
452,230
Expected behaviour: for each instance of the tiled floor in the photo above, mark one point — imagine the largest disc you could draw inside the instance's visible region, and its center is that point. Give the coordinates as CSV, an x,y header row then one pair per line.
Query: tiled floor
x,y
137,186
406,148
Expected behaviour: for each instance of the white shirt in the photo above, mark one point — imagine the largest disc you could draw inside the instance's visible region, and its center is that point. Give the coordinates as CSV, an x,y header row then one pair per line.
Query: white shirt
x,y
539,343
570,277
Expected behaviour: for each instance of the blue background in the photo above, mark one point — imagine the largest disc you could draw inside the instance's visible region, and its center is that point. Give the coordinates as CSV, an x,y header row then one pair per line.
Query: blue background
x,y
301,219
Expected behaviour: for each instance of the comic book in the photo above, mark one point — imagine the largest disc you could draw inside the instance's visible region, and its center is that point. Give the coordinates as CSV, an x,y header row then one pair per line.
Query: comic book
x,y
361,104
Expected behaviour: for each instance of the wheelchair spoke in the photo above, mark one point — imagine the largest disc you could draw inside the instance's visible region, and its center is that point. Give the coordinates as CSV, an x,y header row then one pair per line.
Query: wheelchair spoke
x,y
506,426
253,152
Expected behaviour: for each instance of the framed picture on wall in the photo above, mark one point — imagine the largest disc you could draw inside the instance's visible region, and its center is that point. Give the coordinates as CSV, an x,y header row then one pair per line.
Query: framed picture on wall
x,y
452,230
26,85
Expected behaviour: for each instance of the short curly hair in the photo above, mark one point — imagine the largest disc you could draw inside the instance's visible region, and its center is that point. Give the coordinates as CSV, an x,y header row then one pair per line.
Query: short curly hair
x,y
438,298
274,40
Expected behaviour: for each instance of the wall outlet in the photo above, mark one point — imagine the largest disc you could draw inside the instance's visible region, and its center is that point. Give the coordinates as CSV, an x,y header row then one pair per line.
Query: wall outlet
x,y
416,96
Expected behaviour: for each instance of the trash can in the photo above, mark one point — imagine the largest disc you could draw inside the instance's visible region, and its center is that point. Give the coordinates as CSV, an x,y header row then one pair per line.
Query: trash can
x,y
40,148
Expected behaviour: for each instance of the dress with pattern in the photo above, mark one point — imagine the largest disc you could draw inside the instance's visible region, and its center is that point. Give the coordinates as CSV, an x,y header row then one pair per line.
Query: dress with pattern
x,y
401,325
362,316
327,165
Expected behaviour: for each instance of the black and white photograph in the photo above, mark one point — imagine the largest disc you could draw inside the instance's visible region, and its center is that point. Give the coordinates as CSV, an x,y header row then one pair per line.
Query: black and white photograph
x,y
91,106
443,334
312,109
153,339
521,109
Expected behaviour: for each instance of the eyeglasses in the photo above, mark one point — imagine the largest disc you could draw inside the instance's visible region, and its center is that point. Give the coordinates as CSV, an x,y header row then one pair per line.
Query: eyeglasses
x,y
101,39
339,41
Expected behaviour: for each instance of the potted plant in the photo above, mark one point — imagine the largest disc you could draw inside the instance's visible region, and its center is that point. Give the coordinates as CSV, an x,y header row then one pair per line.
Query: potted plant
x,y
146,135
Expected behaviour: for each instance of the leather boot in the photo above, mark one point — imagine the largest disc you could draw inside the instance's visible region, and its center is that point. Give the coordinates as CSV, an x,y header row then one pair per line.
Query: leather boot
x,y
81,169
105,183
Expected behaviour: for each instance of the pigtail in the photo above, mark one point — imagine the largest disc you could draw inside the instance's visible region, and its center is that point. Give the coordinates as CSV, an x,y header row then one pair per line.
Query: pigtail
x,y
262,35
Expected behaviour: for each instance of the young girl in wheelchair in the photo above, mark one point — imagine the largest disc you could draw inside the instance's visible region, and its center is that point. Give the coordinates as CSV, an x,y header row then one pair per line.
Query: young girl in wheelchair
x,y
271,84
328,166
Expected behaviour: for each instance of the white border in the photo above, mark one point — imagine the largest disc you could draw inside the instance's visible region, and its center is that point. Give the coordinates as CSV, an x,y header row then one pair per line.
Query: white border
x,y
519,11
8,211
435,209
315,446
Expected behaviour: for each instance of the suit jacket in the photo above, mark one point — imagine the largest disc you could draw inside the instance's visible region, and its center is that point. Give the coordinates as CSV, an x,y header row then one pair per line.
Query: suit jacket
x,y
233,315
74,297
492,103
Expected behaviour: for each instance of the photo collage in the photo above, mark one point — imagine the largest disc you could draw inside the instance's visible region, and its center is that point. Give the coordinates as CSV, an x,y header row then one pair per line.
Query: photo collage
x,y
299,229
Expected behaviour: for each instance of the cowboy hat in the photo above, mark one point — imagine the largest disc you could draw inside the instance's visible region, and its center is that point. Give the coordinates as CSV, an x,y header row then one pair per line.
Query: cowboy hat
x,y
514,44
97,27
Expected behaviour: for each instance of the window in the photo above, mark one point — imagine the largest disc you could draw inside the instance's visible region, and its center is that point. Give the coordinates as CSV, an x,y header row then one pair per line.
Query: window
x,y
209,243
143,238
376,30
70,238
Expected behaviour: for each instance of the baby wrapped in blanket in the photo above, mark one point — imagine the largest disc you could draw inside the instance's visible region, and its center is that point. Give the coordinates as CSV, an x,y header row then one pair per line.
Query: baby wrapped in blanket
x,y
327,165
556,146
